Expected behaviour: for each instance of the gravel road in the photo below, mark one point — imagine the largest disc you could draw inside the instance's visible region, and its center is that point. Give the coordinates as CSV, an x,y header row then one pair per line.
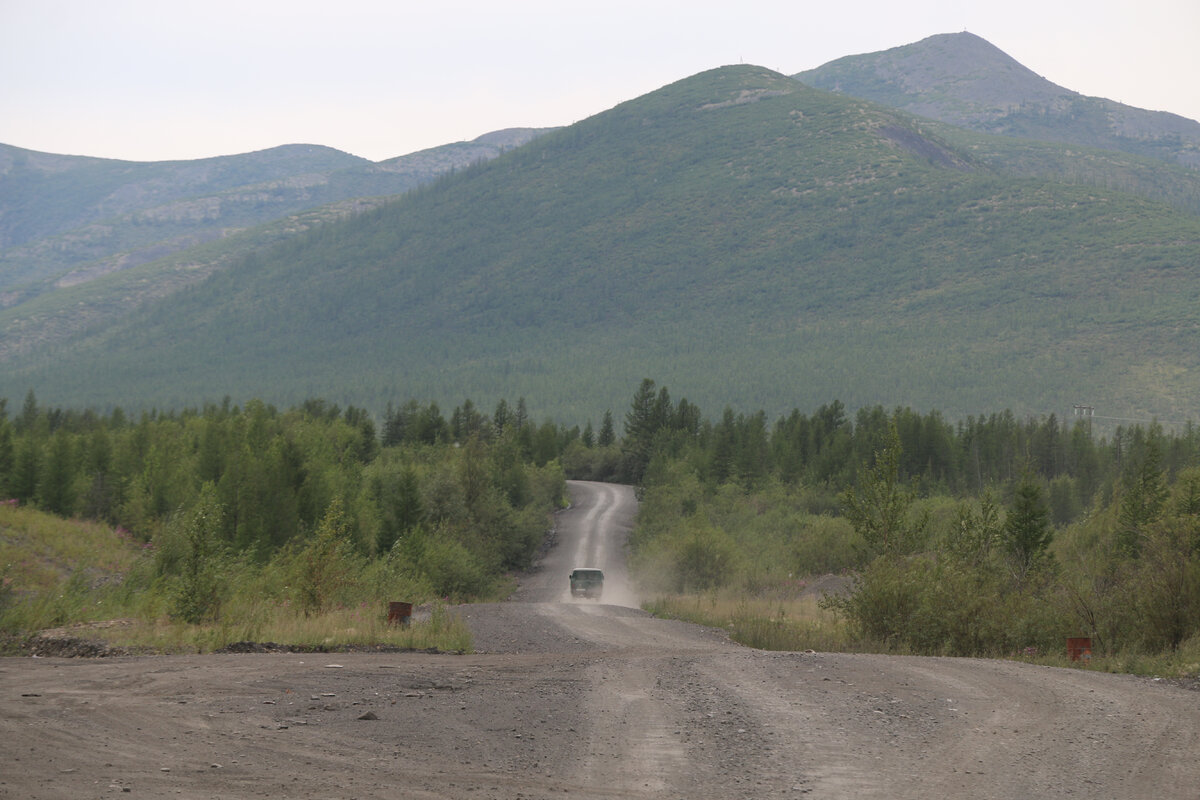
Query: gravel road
x,y
588,700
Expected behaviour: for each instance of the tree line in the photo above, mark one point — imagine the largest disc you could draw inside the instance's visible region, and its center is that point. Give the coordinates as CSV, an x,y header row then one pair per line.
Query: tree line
x,y
973,537
986,536
449,506
829,448
278,470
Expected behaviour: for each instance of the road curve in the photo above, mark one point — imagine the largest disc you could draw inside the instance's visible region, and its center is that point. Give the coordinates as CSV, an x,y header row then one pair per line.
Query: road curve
x,y
592,532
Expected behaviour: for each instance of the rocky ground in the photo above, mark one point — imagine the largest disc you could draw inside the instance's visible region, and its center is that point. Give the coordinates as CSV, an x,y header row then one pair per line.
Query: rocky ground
x,y
587,700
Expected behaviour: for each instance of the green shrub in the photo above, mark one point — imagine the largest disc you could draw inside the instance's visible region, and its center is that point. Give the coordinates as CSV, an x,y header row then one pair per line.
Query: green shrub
x,y
822,545
936,605
327,565
195,534
452,570
705,558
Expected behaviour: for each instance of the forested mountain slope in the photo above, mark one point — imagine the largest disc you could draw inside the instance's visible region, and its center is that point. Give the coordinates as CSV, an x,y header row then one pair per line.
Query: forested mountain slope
x,y
738,235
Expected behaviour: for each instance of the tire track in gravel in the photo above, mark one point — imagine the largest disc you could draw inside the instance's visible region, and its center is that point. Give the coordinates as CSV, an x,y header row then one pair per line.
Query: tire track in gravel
x,y
630,748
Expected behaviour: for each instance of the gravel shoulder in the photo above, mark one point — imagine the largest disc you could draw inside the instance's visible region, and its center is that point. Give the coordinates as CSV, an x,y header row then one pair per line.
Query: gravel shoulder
x,y
588,700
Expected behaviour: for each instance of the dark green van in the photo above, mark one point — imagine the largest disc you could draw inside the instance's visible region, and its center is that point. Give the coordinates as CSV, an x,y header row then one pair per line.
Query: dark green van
x,y
587,582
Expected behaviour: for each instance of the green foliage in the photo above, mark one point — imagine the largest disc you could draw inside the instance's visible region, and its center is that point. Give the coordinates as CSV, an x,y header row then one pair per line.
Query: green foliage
x,y
1026,531
986,573
327,564
6,455
396,492
980,564
939,606
691,538
6,594
607,434
987,590
1143,496
599,463
247,514
23,480
702,558
199,590
880,508
976,532
452,570
1165,590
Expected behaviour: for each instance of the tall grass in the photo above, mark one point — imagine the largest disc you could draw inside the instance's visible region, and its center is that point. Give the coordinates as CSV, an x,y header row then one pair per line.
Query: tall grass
x,y
1184,662
362,626
767,623
126,617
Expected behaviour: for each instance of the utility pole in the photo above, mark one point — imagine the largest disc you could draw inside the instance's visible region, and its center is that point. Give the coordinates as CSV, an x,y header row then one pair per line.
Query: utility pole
x,y
1086,412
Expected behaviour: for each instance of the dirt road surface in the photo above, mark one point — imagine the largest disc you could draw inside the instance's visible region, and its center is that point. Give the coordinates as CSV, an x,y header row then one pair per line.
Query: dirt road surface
x,y
588,700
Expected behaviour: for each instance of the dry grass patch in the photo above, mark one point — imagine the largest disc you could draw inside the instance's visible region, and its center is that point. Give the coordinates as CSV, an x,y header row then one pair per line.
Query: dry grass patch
x,y
768,623
433,628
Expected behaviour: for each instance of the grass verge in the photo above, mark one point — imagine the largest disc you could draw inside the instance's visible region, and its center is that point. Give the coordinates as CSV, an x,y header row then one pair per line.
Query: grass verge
x,y
364,627
796,623
799,623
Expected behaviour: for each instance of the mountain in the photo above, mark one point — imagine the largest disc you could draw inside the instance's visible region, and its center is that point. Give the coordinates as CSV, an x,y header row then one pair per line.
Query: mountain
x,y
737,235
964,80
42,194
64,220
425,165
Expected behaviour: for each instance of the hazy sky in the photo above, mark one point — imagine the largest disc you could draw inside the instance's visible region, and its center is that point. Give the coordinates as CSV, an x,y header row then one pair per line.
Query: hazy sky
x,y
161,79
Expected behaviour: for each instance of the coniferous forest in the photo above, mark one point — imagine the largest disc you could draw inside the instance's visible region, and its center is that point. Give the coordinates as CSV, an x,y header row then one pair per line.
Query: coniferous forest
x,y
990,535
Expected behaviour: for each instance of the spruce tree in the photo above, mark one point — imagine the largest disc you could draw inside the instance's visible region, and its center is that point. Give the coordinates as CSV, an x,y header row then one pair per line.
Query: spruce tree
x,y
1144,496
1027,531
607,434
879,507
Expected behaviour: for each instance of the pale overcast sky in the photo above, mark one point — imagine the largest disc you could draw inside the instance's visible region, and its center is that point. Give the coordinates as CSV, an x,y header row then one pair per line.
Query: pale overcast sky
x,y
159,79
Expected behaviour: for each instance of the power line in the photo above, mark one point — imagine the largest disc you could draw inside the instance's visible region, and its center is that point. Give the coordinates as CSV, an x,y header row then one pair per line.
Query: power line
x,y
1089,413
1134,419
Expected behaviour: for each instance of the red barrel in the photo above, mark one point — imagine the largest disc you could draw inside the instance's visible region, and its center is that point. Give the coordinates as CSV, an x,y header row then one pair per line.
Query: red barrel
x,y
399,613
1079,648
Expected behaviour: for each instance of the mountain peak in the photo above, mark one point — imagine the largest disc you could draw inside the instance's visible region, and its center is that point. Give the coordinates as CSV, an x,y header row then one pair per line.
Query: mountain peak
x,y
958,78
720,87
964,80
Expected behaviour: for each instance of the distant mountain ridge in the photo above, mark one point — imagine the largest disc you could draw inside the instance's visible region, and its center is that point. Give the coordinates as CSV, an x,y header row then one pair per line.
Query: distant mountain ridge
x,y
736,235
43,194
961,79
427,164
72,218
